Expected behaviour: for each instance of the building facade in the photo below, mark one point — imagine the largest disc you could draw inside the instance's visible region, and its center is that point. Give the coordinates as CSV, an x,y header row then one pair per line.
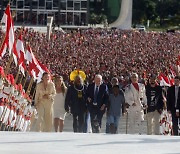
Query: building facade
x,y
35,12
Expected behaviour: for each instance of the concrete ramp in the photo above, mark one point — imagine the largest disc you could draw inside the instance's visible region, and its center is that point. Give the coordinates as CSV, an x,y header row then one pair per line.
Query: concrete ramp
x,y
75,143
124,20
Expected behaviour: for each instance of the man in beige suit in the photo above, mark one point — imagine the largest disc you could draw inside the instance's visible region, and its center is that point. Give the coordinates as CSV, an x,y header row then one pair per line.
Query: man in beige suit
x,y
135,97
44,99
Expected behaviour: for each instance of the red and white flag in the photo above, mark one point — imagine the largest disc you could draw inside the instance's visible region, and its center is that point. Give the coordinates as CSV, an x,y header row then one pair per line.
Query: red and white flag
x,y
45,69
21,54
172,72
164,80
9,36
34,68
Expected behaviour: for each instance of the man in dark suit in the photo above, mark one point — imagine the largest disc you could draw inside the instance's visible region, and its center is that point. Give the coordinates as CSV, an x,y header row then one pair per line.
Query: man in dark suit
x,y
173,103
97,97
75,102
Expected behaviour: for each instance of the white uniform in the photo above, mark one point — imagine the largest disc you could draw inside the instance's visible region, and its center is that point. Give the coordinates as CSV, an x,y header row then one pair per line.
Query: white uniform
x,y
1,96
33,119
27,122
12,124
14,119
11,115
135,113
6,109
1,104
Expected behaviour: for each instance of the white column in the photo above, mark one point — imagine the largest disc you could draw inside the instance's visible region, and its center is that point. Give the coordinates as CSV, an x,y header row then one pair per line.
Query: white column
x,y
124,21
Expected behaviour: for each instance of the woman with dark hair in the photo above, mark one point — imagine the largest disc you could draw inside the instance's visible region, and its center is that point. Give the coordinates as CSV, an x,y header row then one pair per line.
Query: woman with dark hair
x,y
59,111
75,103
44,100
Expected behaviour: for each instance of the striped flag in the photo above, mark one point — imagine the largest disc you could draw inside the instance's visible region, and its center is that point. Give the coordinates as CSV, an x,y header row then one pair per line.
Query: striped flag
x,y
21,54
164,80
9,36
36,68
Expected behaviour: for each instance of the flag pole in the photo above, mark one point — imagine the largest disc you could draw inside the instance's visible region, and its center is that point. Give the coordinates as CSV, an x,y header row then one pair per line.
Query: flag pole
x,y
34,92
30,85
4,37
21,78
17,76
24,83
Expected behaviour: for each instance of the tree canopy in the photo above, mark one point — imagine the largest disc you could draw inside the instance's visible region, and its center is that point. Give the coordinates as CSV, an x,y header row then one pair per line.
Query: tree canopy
x,y
159,12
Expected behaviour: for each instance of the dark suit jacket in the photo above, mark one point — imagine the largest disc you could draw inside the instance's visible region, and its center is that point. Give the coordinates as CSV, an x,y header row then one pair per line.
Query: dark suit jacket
x,y
102,97
77,105
171,99
158,98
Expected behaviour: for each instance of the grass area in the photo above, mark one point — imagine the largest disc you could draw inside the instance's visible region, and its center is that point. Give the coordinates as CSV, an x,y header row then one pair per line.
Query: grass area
x,y
156,29
163,29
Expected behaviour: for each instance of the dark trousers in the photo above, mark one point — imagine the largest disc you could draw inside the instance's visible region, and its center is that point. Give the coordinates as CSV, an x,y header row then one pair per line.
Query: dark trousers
x,y
175,124
78,122
85,130
96,115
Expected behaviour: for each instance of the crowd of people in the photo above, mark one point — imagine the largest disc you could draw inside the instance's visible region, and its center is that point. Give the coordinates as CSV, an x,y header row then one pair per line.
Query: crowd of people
x,y
109,52
103,54
96,99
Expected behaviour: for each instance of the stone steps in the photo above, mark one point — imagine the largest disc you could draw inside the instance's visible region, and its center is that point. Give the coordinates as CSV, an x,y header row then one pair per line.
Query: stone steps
x,y
68,125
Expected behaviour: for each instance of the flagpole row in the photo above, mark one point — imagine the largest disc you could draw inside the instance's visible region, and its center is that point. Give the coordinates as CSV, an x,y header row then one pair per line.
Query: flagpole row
x,y
17,52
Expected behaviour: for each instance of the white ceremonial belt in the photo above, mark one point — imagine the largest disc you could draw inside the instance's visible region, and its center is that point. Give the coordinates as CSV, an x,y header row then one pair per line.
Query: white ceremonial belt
x,y
95,104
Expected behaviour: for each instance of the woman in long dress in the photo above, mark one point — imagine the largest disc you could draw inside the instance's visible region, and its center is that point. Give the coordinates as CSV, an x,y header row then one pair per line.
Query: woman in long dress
x,y
44,100
59,111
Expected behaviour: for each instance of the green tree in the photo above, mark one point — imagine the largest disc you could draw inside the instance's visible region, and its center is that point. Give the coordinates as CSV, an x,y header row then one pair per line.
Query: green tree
x,y
97,19
167,8
153,10
93,18
138,11
150,10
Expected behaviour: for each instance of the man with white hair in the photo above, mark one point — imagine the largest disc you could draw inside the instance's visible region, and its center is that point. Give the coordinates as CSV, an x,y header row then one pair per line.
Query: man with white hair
x,y
97,97
135,97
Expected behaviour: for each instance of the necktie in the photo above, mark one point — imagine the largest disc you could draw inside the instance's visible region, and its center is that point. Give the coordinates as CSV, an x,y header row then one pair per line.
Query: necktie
x,y
95,96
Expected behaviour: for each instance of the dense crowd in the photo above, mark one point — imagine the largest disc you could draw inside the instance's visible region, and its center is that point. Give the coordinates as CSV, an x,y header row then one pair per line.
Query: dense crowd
x,y
109,52
104,55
